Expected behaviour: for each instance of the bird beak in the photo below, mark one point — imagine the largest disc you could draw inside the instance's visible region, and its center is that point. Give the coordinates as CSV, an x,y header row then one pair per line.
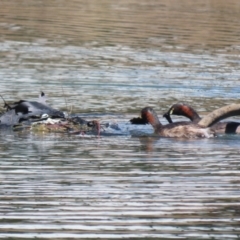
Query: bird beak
x,y
171,111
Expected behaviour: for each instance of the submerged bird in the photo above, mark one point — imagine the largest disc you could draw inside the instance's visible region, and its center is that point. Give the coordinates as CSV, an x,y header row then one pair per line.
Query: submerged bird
x,y
25,110
188,129
182,109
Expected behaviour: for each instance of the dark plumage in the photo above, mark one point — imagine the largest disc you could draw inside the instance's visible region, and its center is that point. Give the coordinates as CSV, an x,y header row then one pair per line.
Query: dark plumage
x,y
25,110
139,120
185,110
190,129
176,130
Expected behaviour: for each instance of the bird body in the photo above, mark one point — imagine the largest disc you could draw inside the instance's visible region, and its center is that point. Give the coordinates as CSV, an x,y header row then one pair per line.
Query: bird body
x,y
182,109
201,129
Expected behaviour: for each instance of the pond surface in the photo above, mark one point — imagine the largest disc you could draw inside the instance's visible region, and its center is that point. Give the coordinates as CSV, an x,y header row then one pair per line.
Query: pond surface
x,y
106,60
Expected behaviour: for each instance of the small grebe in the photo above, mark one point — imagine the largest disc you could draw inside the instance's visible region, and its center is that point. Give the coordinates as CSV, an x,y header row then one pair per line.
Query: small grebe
x,y
176,130
189,129
182,109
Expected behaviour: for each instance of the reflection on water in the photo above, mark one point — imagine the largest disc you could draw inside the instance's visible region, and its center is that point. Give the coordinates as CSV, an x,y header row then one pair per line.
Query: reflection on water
x,y
122,87
133,23
107,60
106,186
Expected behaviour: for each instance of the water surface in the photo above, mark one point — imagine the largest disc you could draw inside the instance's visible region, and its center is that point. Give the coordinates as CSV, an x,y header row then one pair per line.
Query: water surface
x,y
106,60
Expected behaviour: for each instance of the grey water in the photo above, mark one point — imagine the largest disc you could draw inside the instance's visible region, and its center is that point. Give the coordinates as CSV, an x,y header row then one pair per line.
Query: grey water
x,y
106,60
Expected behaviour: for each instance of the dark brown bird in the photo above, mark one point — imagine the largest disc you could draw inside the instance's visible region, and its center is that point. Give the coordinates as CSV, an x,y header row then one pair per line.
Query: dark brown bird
x,y
182,109
188,129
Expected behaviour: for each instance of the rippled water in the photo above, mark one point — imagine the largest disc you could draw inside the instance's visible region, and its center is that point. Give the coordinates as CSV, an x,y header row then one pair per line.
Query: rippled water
x,y
107,60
